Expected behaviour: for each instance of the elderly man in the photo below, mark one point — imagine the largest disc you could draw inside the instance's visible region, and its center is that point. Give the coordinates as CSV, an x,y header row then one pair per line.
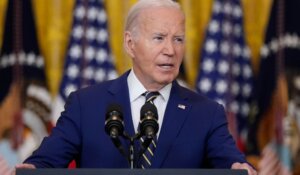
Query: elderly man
x,y
193,132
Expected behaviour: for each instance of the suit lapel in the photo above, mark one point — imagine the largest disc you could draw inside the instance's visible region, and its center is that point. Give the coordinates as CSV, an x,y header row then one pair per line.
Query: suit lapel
x,y
175,115
120,93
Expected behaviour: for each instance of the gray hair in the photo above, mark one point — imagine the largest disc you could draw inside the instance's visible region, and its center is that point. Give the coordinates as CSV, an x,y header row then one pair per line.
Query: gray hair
x,y
131,20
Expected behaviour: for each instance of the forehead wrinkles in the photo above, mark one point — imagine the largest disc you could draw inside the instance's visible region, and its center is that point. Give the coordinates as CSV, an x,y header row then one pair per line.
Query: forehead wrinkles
x,y
146,18
149,20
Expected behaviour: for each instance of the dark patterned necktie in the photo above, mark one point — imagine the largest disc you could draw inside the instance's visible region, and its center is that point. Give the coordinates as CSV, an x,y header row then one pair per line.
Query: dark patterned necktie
x,y
145,161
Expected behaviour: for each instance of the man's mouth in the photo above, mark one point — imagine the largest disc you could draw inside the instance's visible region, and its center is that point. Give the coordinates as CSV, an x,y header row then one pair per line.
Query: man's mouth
x,y
166,66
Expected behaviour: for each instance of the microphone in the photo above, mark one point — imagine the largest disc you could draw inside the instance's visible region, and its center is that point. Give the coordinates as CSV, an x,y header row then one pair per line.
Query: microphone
x,y
148,125
114,125
148,120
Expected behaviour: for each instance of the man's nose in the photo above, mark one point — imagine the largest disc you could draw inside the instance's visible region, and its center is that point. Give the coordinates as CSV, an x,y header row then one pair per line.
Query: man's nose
x,y
169,48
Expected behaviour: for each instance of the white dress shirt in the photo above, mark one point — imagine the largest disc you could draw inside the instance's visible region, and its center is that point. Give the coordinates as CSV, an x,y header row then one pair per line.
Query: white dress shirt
x,y
137,100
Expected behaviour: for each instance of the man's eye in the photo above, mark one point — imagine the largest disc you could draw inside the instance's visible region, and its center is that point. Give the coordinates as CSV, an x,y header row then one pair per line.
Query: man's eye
x,y
180,40
158,38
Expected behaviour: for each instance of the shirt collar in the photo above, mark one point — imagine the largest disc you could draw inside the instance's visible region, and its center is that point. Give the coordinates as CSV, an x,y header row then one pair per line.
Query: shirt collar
x,y
165,91
136,88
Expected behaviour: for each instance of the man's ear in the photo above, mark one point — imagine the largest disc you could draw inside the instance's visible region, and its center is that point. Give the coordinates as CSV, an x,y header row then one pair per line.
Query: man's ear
x,y
129,43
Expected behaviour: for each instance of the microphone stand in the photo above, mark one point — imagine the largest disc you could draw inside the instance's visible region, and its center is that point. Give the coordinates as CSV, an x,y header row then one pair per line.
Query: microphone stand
x,y
131,157
131,153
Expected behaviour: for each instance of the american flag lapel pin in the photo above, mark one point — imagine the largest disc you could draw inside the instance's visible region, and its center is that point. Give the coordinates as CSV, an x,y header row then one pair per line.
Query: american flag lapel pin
x,y
181,106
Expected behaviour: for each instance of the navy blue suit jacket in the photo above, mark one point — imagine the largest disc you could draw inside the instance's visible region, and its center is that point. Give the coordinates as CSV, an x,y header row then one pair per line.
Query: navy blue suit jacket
x,y
192,136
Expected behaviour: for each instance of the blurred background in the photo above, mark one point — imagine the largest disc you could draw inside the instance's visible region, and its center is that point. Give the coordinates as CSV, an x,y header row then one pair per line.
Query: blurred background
x,y
245,54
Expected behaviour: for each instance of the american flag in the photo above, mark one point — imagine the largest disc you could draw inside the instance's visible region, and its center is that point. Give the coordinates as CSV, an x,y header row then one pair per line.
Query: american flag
x,y
225,72
88,59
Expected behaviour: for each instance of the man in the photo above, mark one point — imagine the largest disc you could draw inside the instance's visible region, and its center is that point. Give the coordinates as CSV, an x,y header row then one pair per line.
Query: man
x,y
193,130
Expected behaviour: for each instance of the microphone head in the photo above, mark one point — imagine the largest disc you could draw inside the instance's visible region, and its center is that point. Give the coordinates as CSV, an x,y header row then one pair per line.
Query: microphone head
x,y
114,108
149,108
114,125
148,121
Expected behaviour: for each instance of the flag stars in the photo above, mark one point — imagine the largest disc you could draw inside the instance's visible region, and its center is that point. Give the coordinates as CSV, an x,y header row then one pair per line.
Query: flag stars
x,y
101,16
102,36
80,12
225,47
91,33
234,107
75,52
235,88
214,27
211,46
4,61
237,30
294,42
274,45
205,85
31,59
246,53
92,13
208,65
227,28
217,7
101,56
22,58
221,86
229,79
77,32
288,40
245,109
247,90
99,75
11,59
237,11
291,41
96,47
88,73
40,61
70,88
90,53
112,74
236,69
237,51
223,67
264,51
227,8
247,71
72,71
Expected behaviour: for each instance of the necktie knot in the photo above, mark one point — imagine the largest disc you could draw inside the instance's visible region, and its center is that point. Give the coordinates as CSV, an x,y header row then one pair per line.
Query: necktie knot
x,y
151,96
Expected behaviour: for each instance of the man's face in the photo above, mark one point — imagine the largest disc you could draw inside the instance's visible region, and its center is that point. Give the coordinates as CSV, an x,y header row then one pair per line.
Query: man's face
x,y
158,49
